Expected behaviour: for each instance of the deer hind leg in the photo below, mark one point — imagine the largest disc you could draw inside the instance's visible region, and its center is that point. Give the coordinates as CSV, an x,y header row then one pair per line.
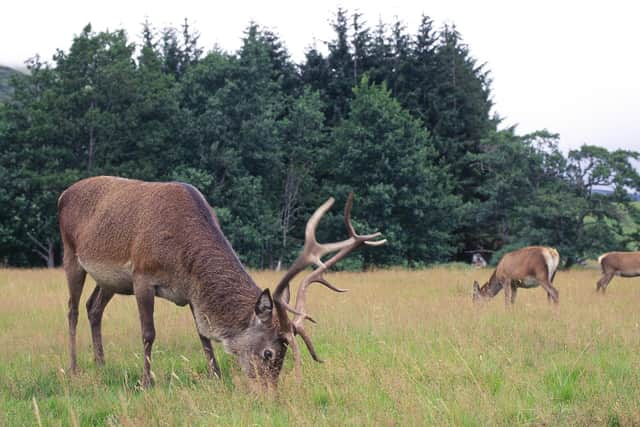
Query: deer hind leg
x,y
75,280
604,282
95,309
552,292
212,363
145,294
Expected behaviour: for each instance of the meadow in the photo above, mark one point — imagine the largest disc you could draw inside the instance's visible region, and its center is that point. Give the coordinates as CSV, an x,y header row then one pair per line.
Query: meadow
x,y
401,348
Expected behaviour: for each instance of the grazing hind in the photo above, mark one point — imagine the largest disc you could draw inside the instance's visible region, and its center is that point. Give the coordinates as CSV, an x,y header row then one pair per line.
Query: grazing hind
x,y
528,267
623,264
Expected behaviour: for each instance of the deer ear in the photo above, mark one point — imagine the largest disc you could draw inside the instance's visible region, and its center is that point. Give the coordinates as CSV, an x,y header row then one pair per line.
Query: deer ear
x,y
476,286
264,306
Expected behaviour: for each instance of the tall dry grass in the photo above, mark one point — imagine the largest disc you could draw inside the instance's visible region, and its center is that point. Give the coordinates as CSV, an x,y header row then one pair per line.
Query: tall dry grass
x,y
401,348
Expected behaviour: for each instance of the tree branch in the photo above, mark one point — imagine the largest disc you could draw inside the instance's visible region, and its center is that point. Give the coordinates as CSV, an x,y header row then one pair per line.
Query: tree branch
x,y
37,242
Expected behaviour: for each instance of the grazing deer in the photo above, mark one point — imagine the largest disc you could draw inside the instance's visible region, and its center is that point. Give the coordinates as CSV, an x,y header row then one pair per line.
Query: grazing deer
x,y
478,260
163,240
624,264
524,268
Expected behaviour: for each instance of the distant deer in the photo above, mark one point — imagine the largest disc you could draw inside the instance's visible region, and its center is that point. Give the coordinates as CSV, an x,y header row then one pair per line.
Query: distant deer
x,y
623,264
163,239
478,261
524,268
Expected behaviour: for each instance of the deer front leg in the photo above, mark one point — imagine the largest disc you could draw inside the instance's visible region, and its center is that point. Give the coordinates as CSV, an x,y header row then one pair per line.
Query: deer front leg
x,y
212,364
507,292
145,294
604,282
514,292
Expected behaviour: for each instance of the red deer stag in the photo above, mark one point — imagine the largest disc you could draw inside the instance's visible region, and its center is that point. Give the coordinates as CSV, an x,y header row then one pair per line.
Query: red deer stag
x,y
524,268
163,239
624,264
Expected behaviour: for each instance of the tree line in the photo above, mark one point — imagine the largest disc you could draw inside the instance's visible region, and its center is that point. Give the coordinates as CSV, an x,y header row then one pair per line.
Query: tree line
x,y
403,119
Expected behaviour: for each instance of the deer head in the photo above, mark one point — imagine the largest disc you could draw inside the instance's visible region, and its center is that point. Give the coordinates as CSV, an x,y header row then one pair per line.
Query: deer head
x,y
261,348
476,291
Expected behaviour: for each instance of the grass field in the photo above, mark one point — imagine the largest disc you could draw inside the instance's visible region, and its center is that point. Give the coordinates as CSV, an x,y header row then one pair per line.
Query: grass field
x,y
402,348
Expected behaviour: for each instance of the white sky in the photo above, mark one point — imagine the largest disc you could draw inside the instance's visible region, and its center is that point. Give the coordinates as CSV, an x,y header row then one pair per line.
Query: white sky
x,y
570,67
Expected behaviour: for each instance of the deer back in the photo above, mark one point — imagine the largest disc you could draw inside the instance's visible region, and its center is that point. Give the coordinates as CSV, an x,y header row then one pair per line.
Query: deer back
x,y
531,261
623,263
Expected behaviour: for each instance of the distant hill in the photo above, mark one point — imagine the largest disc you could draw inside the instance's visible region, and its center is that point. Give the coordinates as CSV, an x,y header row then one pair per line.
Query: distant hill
x,y
5,76
607,192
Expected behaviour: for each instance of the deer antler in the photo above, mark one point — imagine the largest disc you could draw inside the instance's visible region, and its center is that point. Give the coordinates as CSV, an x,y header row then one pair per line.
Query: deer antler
x,y
312,253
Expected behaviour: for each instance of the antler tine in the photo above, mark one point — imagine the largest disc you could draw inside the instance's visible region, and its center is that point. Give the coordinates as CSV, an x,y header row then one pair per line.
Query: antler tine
x,y
347,215
311,253
301,314
353,236
312,223
323,281
352,231
309,344
376,243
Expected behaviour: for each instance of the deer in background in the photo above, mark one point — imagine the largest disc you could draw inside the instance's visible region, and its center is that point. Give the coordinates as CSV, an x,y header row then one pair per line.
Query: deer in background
x,y
524,268
623,264
163,240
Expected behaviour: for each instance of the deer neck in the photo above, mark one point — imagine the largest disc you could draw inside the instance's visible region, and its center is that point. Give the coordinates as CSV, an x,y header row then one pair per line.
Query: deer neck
x,y
224,297
491,288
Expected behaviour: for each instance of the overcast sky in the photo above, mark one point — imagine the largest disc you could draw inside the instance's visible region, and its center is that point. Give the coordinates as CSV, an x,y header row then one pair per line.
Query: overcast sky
x,y
570,67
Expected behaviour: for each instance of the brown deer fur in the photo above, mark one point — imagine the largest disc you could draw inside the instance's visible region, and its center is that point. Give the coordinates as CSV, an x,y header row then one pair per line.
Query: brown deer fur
x,y
162,239
524,268
624,264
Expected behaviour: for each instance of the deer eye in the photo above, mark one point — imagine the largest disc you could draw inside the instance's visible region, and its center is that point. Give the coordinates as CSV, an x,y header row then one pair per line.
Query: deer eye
x,y
267,355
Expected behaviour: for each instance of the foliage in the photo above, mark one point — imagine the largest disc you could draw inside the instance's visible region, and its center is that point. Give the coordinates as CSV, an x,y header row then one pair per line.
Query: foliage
x,y
389,158
6,90
561,207
404,120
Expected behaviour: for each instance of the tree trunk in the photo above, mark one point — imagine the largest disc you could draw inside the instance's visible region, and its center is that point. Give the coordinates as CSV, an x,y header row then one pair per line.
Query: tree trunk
x,y
50,254
46,251
92,148
288,211
92,141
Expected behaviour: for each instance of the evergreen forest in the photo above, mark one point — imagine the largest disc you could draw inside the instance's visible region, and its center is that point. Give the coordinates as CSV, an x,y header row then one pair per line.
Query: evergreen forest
x,y
403,117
